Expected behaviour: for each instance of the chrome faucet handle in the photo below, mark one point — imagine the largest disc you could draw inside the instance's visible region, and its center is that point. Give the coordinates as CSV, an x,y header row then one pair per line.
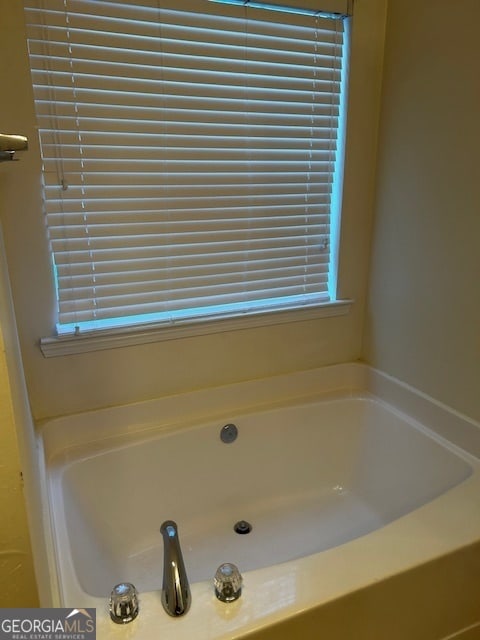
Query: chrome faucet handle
x,y
123,603
228,582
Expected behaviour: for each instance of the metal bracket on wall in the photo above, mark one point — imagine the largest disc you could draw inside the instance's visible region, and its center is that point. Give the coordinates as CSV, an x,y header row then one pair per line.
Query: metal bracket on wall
x,y
9,144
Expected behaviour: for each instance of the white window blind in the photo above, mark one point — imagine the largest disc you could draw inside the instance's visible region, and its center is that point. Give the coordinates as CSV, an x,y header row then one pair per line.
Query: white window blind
x,y
190,152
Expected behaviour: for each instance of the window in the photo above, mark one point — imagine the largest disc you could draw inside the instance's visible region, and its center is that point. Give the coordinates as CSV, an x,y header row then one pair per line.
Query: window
x,y
192,157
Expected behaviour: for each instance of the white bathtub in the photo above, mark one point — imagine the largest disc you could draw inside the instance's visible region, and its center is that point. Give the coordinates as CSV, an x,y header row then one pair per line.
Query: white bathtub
x,y
343,486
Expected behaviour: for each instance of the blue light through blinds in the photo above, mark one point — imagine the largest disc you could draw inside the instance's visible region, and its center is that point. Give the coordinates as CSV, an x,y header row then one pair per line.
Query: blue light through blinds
x,y
189,158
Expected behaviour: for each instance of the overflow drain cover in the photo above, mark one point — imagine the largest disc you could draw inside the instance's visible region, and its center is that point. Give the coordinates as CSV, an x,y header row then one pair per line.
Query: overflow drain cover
x,y
242,527
229,433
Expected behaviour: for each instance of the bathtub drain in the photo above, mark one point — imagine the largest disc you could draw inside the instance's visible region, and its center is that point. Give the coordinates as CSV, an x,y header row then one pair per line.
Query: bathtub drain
x,y
242,527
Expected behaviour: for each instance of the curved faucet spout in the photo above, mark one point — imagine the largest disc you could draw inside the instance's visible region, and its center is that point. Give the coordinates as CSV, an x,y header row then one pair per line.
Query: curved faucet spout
x,y
176,596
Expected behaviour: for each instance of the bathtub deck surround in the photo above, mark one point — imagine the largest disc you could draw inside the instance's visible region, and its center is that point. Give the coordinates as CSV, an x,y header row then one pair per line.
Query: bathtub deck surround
x,y
356,477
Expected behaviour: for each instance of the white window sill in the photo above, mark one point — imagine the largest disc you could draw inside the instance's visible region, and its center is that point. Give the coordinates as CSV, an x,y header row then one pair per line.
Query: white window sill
x,y
129,336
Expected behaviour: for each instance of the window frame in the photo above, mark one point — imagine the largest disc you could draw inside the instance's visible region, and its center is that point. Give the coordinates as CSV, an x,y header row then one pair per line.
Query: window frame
x,y
140,334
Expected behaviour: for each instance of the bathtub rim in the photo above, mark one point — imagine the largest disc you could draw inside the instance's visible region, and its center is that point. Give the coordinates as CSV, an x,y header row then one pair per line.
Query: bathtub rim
x,y
61,434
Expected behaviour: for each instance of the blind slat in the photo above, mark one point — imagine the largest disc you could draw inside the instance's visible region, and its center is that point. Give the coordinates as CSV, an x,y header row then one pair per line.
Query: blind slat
x,y
81,261
149,267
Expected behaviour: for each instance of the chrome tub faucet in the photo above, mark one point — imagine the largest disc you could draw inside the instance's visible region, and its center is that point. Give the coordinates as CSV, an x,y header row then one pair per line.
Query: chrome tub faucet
x,y
176,597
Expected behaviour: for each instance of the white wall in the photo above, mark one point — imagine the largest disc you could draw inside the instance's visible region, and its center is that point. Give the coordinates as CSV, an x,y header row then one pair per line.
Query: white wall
x,y
73,383
423,317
